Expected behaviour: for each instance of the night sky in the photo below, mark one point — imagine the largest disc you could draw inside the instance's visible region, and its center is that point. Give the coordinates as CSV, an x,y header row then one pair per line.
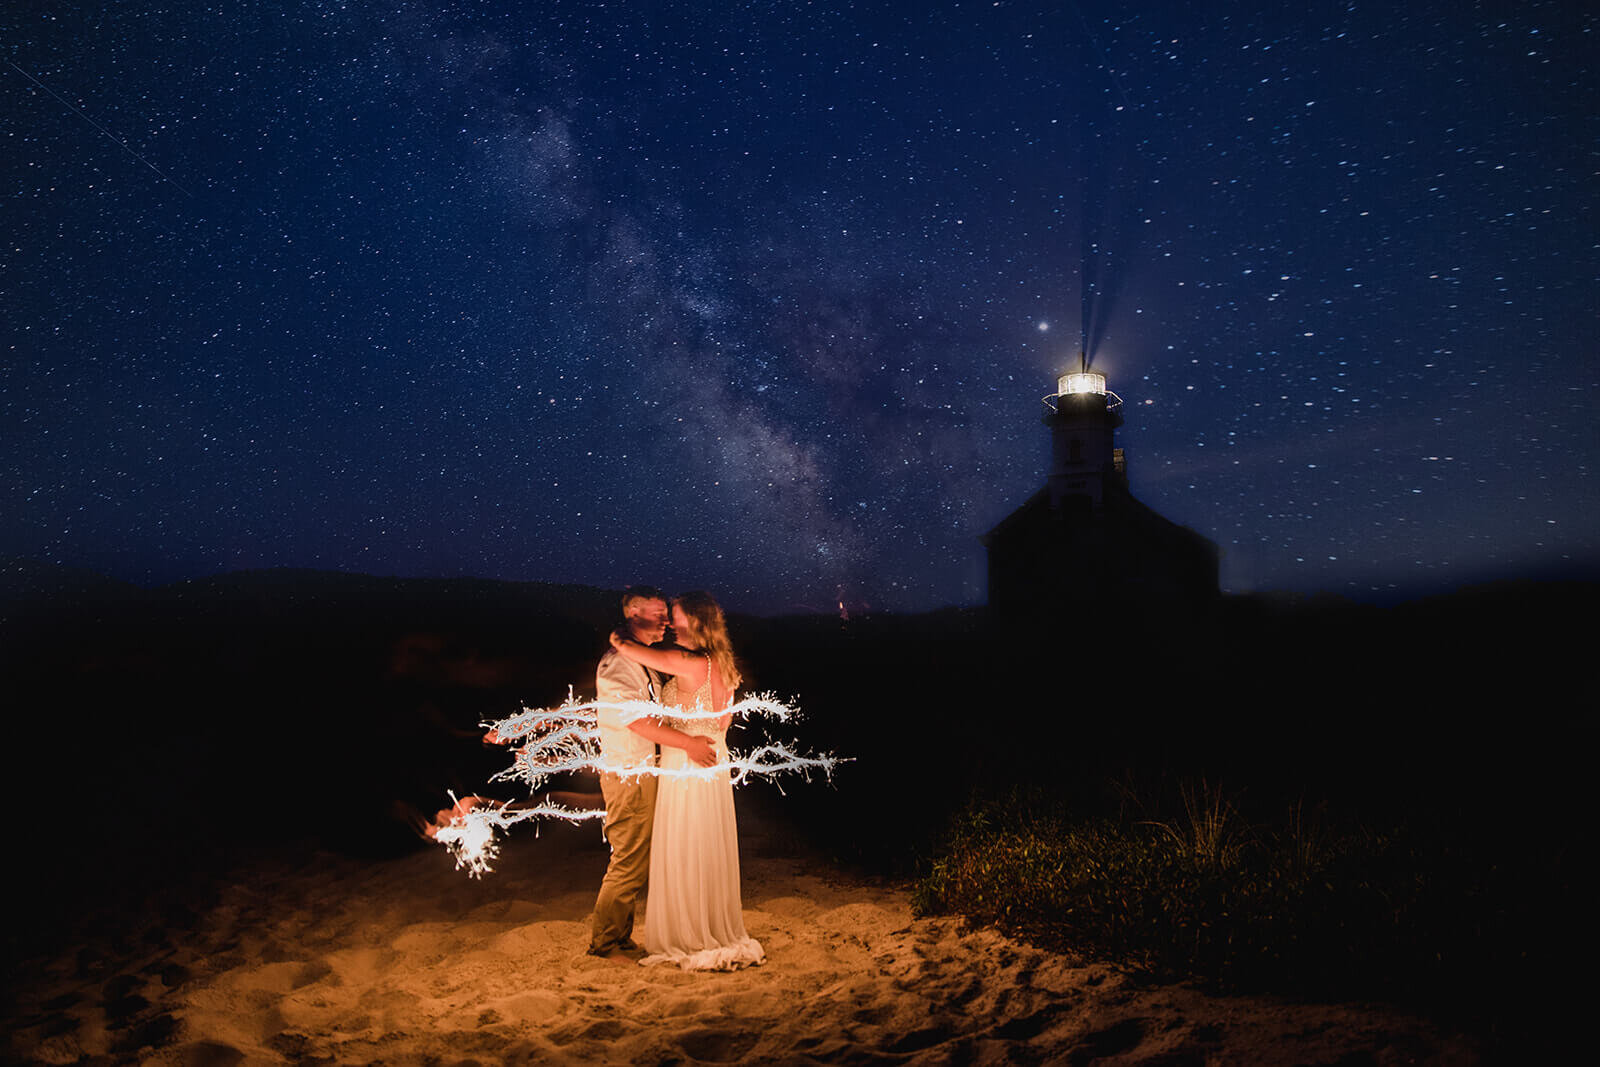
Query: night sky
x,y
763,297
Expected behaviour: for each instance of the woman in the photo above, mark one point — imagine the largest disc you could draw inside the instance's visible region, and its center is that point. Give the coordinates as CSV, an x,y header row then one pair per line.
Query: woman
x,y
693,918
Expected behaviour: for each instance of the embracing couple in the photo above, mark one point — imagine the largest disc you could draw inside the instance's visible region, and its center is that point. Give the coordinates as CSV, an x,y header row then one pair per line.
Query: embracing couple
x,y
670,822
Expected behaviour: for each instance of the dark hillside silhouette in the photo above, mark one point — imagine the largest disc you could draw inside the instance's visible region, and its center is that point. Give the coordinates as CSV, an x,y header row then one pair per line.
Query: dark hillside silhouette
x,y
179,727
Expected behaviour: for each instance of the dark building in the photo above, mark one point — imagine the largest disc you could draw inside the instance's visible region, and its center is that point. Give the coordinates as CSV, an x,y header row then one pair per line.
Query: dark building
x,y
1083,541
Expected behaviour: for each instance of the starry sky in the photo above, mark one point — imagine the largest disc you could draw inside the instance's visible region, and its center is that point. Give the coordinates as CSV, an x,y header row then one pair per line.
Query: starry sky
x,y
763,297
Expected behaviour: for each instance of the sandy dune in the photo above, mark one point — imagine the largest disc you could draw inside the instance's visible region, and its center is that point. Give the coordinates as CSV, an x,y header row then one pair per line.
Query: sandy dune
x,y
325,958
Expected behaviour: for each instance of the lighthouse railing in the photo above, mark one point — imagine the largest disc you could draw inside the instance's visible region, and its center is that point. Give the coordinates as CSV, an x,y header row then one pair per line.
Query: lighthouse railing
x,y
1113,401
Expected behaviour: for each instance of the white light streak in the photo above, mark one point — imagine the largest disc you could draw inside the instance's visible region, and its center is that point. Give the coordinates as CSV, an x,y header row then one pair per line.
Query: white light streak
x,y
565,739
470,836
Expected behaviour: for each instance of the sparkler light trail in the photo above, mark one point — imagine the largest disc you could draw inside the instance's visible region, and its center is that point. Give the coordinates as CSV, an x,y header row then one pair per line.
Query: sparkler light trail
x,y
471,836
567,738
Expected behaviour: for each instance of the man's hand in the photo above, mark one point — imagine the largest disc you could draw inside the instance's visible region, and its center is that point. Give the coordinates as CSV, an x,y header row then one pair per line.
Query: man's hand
x,y
701,750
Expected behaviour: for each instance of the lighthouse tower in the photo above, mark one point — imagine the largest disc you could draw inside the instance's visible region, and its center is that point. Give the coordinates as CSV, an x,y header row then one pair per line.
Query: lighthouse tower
x,y
1083,419
1083,542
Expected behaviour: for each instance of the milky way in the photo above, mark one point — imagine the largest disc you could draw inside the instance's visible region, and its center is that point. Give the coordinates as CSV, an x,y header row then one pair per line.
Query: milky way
x,y
750,297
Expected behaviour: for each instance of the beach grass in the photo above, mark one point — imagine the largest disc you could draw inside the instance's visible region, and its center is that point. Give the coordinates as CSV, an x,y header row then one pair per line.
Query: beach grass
x,y
1295,905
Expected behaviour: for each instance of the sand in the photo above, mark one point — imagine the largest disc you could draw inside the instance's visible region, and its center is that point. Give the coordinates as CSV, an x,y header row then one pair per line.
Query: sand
x,y
312,956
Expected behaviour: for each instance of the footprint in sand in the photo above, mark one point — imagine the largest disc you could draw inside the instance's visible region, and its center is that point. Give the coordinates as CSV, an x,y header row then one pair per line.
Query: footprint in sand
x,y
606,1030
1028,1027
310,973
149,1034
965,993
925,1038
717,1046
120,1001
1112,1041
529,1007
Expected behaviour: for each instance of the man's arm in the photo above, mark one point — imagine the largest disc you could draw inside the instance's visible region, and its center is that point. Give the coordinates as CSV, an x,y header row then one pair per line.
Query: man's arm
x,y
701,750
689,666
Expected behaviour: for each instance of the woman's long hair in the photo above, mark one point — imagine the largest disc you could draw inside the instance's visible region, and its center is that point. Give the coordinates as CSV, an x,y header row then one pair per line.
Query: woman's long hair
x,y
709,629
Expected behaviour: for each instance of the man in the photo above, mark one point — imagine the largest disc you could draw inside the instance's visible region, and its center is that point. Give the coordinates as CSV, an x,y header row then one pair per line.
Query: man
x,y
631,797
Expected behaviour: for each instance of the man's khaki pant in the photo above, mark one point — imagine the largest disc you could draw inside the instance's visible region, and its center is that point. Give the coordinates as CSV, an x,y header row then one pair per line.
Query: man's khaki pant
x,y
630,811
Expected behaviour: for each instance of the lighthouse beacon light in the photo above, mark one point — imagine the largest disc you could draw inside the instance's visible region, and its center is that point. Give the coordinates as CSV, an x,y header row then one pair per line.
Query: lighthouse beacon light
x,y
1082,383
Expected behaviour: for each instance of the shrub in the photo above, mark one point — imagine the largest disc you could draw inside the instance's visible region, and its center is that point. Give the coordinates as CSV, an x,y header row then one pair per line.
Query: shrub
x,y
1297,909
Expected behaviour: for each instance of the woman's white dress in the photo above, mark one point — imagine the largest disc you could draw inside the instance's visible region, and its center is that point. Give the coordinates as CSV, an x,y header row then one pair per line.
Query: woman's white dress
x,y
693,916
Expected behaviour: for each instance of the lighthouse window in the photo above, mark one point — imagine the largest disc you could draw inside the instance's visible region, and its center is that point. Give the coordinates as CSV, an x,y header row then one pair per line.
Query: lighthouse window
x,y
1075,451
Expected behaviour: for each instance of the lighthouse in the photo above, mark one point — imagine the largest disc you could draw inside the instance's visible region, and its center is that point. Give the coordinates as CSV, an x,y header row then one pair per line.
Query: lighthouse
x,y
1083,420
1083,542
